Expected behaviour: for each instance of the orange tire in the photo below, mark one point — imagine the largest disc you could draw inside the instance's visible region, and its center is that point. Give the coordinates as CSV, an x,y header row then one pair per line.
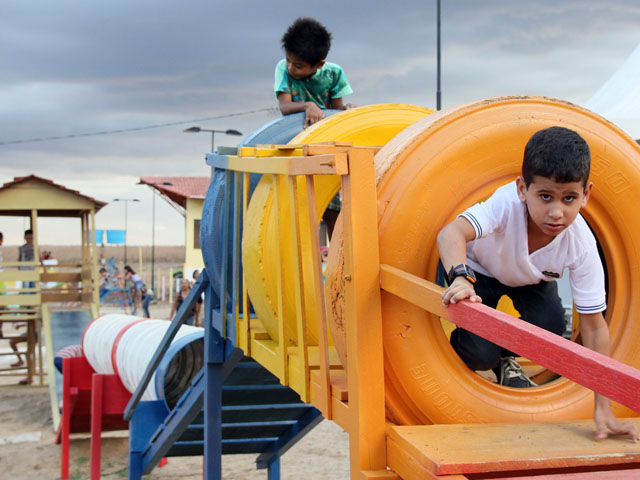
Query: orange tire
x,y
438,167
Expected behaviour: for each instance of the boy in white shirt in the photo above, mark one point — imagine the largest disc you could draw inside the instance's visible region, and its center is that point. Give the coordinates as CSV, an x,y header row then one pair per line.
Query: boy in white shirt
x,y
517,243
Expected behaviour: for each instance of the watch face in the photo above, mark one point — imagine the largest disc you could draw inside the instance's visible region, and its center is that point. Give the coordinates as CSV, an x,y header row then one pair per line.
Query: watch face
x,y
461,271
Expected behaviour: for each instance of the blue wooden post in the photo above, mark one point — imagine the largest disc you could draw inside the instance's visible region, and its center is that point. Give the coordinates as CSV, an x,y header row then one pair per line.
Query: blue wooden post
x,y
214,356
273,472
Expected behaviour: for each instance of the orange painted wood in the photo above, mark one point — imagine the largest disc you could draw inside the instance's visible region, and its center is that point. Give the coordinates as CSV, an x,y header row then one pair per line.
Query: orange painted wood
x,y
408,467
378,475
598,372
363,309
631,474
476,448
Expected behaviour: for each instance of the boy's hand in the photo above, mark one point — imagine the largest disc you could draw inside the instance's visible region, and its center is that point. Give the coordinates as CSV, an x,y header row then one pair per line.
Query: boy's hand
x,y
607,422
349,106
313,114
460,289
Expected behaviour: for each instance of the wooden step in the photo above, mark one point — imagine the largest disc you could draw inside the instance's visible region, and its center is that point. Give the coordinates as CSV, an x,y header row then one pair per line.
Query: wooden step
x,y
429,450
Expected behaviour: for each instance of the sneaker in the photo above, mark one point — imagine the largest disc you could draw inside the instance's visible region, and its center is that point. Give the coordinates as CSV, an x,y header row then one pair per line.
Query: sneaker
x,y
510,374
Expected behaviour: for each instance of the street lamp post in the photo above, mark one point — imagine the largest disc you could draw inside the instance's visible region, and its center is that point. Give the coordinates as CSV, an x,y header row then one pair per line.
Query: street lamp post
x,y
153,229
213,132
126,203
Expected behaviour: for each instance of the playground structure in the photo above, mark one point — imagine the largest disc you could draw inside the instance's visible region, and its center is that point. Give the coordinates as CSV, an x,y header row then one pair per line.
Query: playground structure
x,y
35,197
370,352
96,387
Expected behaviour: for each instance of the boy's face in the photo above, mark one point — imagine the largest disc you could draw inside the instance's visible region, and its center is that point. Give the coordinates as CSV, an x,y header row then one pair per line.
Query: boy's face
x,y
299,69
28,238
552,206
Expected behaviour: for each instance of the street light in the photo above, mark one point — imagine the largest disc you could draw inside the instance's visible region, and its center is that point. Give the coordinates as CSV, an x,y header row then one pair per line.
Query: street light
x,y
153,228
213,132
126,203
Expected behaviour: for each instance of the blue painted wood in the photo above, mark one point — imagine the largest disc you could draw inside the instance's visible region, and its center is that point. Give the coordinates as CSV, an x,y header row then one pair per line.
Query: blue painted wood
x,y
304,424
143,426
273,472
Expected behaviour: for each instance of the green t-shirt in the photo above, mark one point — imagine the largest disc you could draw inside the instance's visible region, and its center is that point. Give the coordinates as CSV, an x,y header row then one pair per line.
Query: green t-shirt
x,y
327,83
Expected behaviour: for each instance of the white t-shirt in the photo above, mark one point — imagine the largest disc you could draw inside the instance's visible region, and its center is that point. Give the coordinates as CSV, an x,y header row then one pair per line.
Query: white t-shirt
x,y
501,250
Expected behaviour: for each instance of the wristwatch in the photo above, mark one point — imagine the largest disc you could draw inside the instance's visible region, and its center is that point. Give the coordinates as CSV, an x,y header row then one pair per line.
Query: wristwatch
x,y
462,270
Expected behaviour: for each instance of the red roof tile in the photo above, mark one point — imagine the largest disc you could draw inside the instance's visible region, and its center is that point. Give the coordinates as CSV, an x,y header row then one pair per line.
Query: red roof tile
x,y
180,188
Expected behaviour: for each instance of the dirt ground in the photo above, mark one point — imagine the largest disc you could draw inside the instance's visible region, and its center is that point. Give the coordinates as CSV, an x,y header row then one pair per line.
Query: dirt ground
x,y
28,451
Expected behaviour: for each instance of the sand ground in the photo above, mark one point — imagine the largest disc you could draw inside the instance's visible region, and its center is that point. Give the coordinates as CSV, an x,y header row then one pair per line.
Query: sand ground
x,y
28,451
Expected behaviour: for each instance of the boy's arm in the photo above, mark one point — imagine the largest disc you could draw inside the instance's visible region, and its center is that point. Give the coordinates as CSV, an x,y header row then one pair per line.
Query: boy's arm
x,y
452,245
338,104
313,113
595,336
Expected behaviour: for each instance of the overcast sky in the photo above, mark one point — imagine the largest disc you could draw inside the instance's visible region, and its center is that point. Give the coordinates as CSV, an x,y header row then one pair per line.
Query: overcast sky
x,y
71,68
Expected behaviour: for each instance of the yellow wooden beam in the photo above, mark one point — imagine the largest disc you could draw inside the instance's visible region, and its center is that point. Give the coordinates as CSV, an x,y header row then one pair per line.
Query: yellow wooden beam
x,y
283,335
335,164
298,284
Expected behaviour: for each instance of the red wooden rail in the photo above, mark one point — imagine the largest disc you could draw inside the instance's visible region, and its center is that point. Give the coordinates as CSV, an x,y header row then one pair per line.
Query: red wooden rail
x,y
600,373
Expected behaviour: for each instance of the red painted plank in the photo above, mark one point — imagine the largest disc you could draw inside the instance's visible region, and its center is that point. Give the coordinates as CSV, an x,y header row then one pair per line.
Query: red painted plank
x,y
598,372
633,474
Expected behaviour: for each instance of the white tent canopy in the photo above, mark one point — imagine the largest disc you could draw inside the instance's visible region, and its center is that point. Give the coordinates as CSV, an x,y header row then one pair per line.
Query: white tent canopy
x,y
618,100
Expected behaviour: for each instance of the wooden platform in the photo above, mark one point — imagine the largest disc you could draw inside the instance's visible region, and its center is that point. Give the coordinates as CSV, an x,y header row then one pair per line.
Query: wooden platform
x,y
427,451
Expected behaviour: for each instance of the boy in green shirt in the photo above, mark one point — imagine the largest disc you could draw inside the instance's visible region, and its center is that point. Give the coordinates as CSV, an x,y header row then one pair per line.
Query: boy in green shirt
x,y
304,81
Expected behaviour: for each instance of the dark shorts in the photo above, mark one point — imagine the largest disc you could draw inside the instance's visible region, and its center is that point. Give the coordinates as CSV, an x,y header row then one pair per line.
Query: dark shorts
x,y
537,304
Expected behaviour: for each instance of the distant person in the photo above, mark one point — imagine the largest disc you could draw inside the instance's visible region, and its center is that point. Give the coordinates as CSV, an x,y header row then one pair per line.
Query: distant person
x,y
305,81
181,295
13,343
142,295
104,281
26,254
195,275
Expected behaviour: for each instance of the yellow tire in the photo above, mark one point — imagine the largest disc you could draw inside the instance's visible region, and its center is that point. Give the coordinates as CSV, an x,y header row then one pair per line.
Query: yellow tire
x,y
364,126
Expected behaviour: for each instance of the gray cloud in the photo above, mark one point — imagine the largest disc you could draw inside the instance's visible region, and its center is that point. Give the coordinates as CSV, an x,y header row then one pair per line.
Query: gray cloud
x,y
77,67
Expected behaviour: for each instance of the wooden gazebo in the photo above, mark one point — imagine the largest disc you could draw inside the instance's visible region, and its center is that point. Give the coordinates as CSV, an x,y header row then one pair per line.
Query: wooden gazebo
x,y
32,196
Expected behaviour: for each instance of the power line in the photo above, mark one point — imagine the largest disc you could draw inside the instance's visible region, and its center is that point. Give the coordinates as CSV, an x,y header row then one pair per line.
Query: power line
x,y
135,129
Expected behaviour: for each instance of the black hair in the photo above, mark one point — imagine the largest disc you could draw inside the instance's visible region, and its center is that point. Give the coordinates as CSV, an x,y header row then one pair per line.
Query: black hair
x,y
127,268
308,40
557,153
1,236
29,231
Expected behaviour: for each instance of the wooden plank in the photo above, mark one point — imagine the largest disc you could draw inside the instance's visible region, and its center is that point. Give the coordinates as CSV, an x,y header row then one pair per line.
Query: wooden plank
x,y
363,309
477,448
379,475
631,474
318,284
16,318
20,299
317,165
62,297
315,357
402,462
600,373
19,276
280,212
298,285
61,277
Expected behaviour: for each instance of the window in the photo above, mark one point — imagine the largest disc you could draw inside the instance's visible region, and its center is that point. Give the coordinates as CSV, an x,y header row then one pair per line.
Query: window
x,y
196,234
